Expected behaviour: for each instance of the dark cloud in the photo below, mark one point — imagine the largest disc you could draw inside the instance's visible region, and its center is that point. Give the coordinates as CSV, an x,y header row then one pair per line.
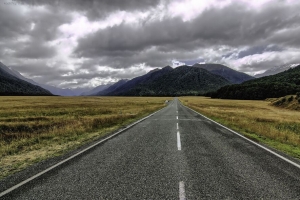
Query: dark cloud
x,y
258,50
231,34
192,62
234,25
12,23
46,24
95,9
36,50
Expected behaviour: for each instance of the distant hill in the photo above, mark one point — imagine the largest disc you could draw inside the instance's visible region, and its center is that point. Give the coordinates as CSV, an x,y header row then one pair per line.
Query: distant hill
x,y
95,90
231,75
276,70
147,78
111,88
183,80
11,85
274,86
52,89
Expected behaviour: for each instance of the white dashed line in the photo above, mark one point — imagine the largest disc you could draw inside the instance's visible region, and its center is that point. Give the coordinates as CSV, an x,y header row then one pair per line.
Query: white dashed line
x,y
181,191
178,141
176,117
177,126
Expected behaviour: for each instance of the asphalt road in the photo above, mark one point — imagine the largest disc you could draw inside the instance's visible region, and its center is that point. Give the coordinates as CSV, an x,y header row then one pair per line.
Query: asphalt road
x,y
174,154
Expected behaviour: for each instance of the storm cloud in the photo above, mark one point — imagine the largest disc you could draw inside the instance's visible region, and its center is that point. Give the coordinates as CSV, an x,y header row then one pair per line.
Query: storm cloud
x,y
74,43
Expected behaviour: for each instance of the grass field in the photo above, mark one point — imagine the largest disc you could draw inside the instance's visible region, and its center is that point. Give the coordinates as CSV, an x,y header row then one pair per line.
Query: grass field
x,y
36,128
257,120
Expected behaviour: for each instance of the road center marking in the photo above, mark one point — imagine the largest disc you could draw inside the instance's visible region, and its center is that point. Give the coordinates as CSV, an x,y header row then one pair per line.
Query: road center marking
x,y
181,191
178,141
176,117
177,126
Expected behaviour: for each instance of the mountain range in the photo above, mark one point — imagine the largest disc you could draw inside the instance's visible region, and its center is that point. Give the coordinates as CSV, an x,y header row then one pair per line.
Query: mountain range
x,y
183,80
12,85
273,86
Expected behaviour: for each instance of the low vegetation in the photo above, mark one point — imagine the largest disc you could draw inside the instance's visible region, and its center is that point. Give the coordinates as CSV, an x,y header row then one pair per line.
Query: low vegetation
x,y
36,128
257,120
291,102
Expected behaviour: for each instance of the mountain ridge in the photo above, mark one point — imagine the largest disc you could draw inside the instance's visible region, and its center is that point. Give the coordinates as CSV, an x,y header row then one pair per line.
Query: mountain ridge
x,y
12,85
273,86
231,75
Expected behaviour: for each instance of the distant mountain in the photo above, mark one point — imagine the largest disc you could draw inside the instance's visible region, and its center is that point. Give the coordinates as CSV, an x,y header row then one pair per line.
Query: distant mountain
x,y
11,85
95,90
276,70
147,78
52,89
274,86
111,88
183,80
231,75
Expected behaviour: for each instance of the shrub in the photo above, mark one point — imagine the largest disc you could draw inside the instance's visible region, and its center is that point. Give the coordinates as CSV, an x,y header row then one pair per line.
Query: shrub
x,y
298,95
299,100
291,98
283,100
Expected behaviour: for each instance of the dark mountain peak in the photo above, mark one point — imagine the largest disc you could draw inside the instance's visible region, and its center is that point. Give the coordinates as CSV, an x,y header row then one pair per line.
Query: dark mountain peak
x,y
153,70
159,69
182,80
167,68
230,74
211,66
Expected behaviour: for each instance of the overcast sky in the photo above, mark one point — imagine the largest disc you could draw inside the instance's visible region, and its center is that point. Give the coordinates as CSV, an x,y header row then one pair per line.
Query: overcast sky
x,y
85,43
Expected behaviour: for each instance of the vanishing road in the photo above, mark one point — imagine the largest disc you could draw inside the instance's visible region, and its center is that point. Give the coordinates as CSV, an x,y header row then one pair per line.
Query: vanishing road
x,y
174,154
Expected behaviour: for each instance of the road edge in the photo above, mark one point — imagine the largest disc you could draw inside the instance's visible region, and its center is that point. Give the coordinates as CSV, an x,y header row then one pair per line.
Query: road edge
x,y
245,138
86,149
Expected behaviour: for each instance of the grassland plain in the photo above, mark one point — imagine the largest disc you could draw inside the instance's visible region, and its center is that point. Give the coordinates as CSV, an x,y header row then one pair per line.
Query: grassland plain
x,y
36,128
258,120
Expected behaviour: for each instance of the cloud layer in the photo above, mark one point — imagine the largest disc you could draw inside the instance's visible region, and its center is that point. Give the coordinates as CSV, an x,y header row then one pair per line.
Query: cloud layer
x,y
88,43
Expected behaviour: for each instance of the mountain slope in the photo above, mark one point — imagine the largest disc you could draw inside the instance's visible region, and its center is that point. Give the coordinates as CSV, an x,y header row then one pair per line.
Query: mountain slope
x,y
226,72
274,86
147,78
111,88
11,85
52,89
276,70
183,80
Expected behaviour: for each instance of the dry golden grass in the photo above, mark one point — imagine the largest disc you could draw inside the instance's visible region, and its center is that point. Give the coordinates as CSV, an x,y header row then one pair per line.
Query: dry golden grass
x,y
36,128
258,120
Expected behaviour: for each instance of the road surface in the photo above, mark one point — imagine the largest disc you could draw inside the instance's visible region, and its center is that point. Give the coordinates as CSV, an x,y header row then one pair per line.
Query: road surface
x,y
174,154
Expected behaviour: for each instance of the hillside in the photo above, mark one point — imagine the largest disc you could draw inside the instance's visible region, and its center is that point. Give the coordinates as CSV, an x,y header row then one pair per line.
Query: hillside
x,y
11,85
231,75
291,102
144,79
52,89
183,80
279,85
